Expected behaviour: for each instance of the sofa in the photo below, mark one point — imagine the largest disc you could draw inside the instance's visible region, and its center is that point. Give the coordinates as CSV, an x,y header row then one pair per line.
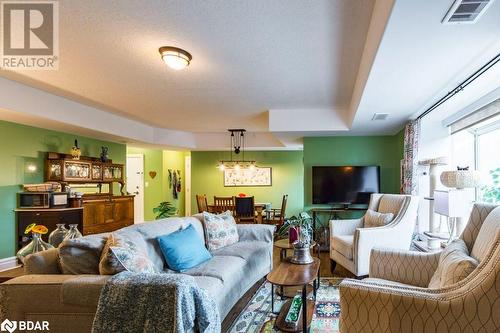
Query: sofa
x,y
351,241
63,285
397,297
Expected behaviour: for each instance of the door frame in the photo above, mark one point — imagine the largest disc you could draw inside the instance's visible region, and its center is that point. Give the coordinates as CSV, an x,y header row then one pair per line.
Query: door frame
x,y
187,185
141,157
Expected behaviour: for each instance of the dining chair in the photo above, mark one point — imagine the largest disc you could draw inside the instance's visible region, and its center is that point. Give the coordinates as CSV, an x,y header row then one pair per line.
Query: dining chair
x,y
222,204
277,215
201,200
244,209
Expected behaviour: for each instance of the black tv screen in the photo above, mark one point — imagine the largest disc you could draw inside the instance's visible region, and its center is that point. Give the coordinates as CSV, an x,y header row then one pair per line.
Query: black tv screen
x,y
344,184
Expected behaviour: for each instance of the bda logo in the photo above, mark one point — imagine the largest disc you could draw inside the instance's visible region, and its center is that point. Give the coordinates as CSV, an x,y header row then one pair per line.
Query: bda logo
x,y
8,325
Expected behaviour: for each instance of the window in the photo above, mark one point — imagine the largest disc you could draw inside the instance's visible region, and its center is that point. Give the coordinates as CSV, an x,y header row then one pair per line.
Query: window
x,y
478,147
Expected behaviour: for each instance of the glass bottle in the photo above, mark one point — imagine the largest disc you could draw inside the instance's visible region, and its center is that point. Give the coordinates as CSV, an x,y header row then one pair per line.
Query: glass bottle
x,y
73,232
37,244
57,236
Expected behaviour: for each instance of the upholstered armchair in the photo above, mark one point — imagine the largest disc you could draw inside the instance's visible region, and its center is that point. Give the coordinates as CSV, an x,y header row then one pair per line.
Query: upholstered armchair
x,y
351,242
396,298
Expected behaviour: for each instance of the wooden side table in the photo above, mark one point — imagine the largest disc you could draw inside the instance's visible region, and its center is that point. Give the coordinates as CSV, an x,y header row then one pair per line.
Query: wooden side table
x,y
288,274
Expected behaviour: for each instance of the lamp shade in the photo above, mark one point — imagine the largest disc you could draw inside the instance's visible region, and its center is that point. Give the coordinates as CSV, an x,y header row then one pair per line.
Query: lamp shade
x,y
460,178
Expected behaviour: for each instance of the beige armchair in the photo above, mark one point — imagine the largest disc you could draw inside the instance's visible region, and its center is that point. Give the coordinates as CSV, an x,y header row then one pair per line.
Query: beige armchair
x,y
396,299
351,243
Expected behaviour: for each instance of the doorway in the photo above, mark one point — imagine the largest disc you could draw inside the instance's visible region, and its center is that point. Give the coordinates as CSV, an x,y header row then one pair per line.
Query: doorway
x,y
135,184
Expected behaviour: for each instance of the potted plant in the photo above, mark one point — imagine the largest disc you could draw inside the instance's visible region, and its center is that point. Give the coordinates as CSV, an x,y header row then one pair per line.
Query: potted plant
x,y
302,224
165,209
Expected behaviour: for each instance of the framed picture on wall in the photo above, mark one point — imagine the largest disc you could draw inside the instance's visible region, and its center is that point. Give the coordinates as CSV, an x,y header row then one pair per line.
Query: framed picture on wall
x,y
248,177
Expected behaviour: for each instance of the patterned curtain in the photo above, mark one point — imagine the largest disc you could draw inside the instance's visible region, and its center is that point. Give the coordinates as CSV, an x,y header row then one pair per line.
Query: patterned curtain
x,y
409,180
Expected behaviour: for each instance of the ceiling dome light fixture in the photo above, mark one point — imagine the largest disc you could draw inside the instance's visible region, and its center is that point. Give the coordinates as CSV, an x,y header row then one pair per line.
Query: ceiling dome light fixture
x,y
175,57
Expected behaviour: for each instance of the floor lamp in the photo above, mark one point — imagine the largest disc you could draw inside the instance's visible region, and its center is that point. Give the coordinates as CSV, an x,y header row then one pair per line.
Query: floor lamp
x,y
433,164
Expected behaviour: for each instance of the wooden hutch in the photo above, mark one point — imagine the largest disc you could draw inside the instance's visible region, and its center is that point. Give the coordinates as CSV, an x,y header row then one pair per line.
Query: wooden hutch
x,y
102,212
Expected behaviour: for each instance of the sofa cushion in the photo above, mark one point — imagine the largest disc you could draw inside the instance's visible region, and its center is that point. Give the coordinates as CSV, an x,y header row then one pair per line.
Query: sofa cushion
x,y
83,290
224,268
244,249
220,230
486,235
81,255
149,231
454,265
391,203
343,245
123,254
183,249
373,219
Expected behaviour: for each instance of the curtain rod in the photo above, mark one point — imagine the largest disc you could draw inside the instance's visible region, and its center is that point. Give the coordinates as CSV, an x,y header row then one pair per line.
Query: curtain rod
x,y
462,85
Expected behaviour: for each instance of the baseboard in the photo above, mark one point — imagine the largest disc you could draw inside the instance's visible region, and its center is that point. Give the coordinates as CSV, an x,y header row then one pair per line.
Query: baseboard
x,y
8,263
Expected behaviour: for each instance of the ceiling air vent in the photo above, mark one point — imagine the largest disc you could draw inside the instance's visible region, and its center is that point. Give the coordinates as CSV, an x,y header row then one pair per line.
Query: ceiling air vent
x,y
466,11
380,116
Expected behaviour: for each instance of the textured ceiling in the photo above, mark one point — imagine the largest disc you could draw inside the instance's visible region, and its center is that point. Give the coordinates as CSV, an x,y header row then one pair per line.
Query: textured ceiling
x,y
248,57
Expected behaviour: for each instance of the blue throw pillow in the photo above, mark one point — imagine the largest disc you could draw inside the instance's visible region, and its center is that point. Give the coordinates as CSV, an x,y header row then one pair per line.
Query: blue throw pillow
x,y
183,249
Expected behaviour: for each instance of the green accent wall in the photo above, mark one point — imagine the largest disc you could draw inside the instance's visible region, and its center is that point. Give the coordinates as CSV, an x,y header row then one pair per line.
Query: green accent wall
x,y
385,151
287,178
21,146
157,189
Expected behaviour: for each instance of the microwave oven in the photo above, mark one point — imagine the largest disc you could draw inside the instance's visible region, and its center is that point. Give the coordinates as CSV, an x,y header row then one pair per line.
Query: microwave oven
x,y
43,199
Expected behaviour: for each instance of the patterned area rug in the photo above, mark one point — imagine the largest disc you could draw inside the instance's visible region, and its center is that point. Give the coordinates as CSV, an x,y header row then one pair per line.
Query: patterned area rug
x,y
257,316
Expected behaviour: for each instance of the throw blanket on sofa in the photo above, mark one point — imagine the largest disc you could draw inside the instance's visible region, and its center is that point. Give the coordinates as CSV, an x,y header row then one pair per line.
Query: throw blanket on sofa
x,y
131,302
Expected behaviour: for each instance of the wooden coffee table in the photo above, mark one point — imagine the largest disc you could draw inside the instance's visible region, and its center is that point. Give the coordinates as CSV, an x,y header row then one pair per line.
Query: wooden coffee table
x,y
288,274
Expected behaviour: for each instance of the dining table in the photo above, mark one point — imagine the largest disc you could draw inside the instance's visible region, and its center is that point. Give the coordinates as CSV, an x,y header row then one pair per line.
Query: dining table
x,y
262,209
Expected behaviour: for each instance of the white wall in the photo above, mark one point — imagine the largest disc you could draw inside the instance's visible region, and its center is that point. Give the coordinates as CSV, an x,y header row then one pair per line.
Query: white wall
x,y
434,142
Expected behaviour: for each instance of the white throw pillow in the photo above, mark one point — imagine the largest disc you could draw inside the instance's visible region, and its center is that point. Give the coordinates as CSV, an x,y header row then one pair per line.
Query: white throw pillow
x,y
455,264
220,230
374,219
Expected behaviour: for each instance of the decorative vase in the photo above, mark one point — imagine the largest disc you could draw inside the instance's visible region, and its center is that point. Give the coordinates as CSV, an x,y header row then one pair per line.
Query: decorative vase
x,y
293,234
75,151
301,253
104,154
73,232
36,245
57,236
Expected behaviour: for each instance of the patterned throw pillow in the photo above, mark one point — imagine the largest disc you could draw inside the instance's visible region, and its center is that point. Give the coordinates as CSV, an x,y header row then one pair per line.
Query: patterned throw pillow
x,y
374,219
455,264
120,254
220,230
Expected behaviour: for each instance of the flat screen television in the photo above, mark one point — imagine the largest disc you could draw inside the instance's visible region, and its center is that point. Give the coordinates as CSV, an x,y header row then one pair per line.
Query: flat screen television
x,y
344,184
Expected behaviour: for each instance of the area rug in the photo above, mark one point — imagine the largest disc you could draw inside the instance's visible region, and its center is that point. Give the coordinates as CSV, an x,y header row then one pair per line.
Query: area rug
x,y
257,316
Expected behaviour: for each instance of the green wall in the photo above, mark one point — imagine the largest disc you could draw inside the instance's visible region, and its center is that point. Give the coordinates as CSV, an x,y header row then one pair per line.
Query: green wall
x,y
21,146
287,178
385,151
157,189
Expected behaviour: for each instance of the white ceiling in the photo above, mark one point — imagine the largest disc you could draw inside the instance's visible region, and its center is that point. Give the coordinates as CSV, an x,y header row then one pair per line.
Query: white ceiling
x,y
281,69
